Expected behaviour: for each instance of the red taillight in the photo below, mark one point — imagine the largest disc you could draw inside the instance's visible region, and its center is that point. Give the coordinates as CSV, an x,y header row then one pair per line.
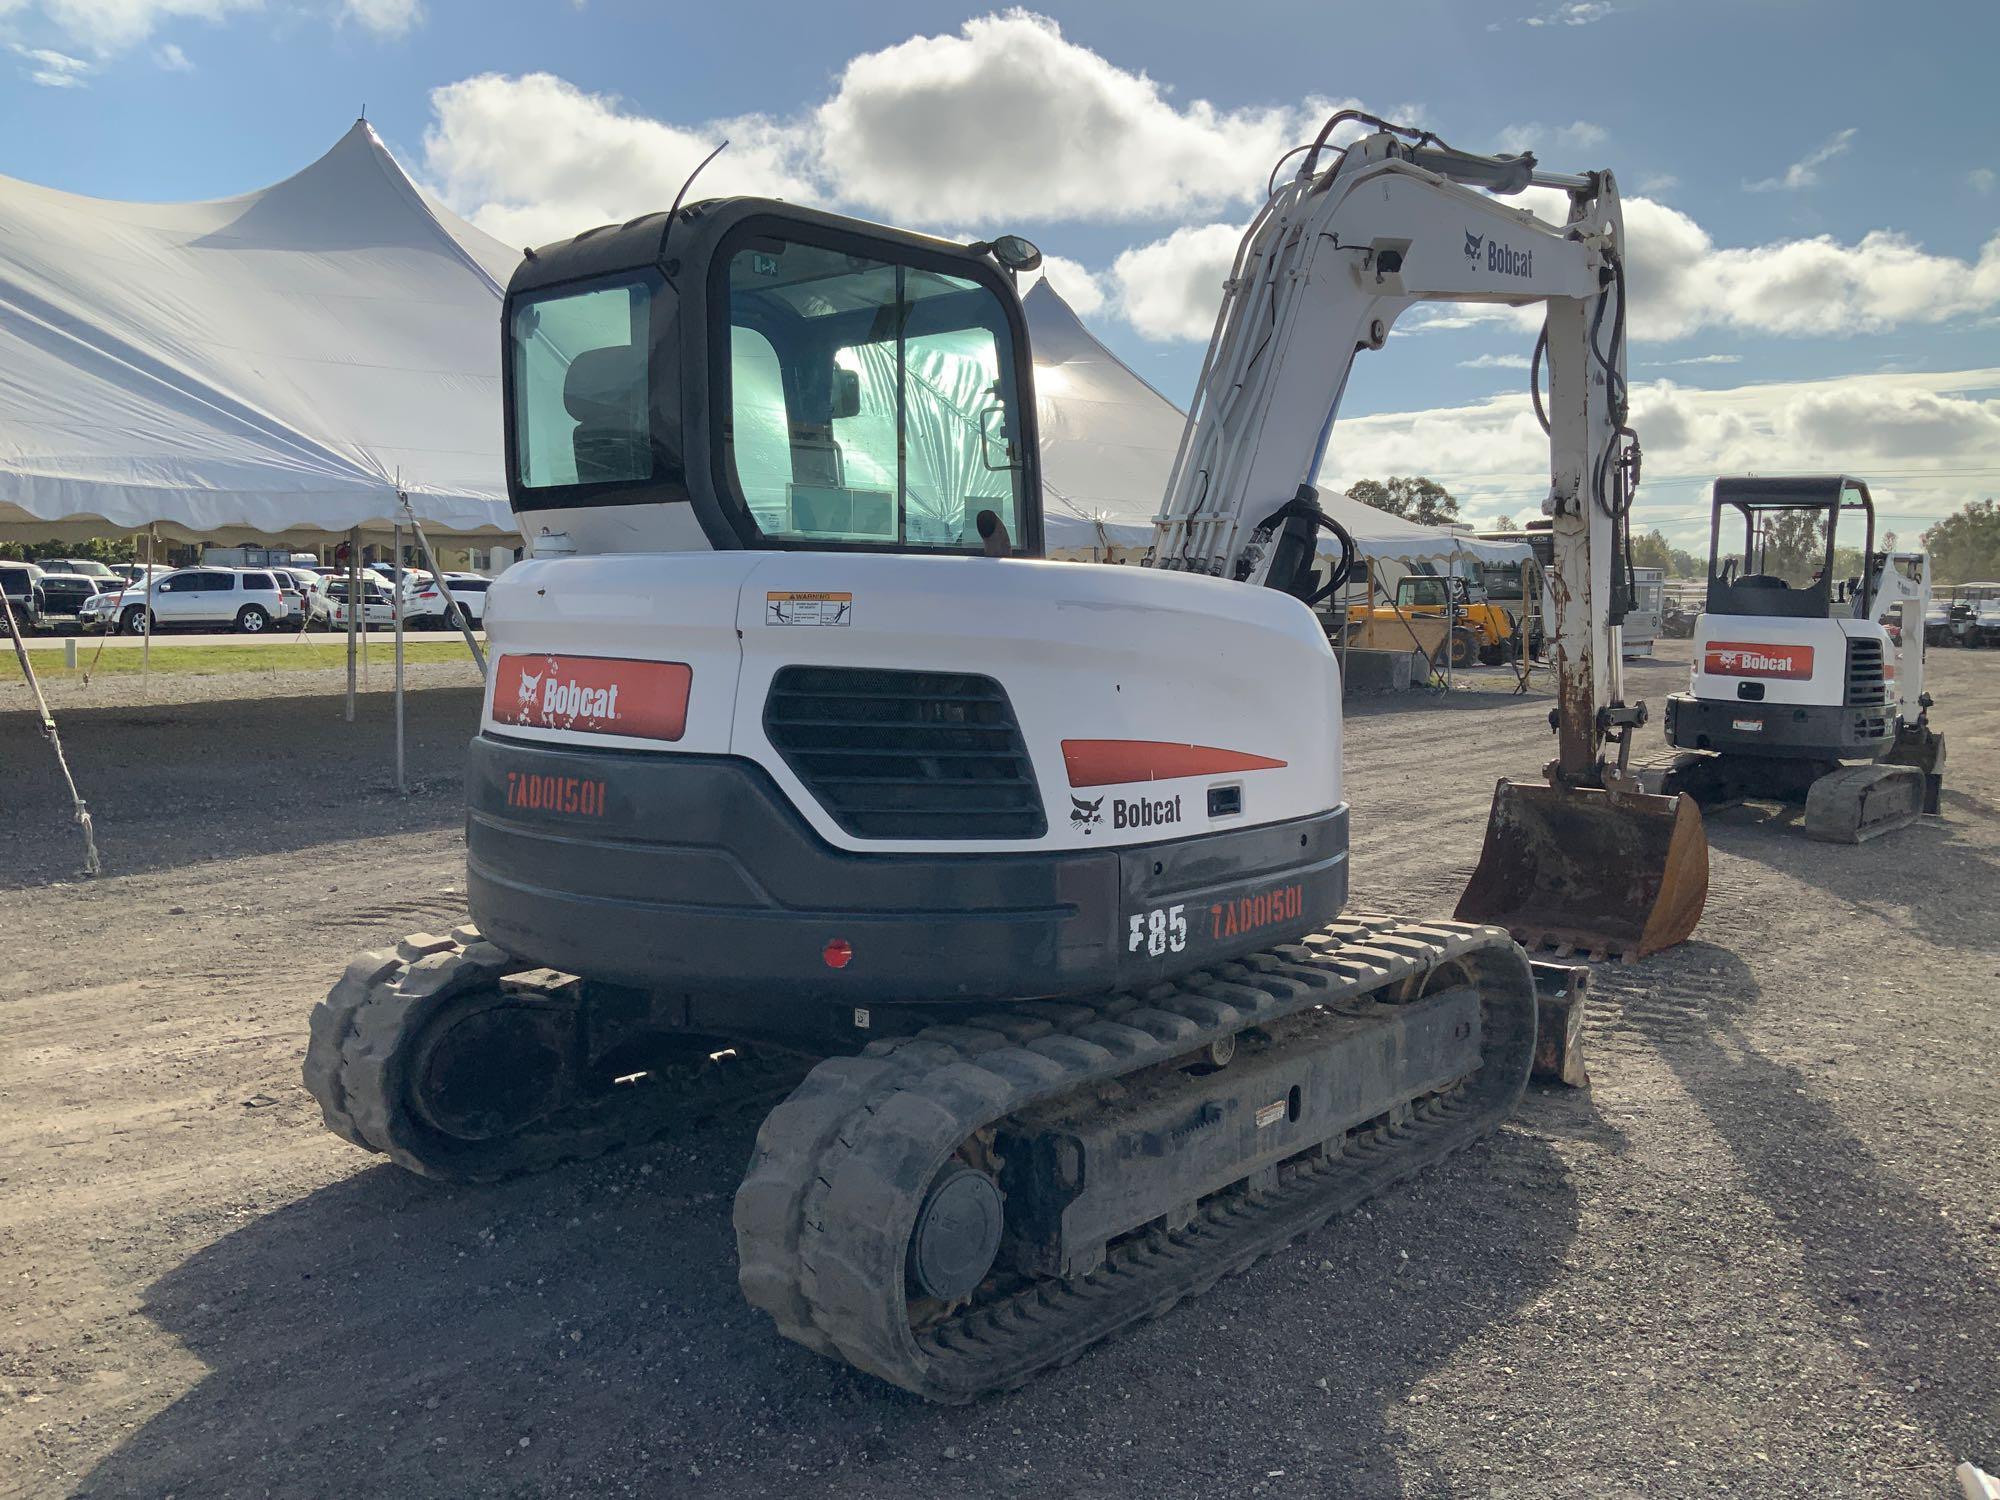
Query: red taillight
x,y
838,953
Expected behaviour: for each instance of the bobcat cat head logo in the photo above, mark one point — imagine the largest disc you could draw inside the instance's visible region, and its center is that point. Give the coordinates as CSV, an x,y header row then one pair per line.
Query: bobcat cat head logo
x,y
1472,243
530,688
1083,814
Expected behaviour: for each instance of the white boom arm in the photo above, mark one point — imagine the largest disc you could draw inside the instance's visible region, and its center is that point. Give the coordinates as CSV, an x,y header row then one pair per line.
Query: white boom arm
x,y
1329,264
1901,595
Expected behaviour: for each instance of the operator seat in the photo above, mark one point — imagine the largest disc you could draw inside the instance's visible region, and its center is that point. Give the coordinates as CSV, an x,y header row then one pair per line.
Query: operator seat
x,y
605,391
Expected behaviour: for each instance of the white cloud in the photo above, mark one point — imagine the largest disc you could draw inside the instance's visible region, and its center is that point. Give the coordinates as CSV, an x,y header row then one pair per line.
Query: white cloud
x,y
107,26
1980,180
1495,362
1578,13
1002,120
1578,135
386,18
1910,428
1805,172
52,70
535,158
1171,288
1008,118
1659,182
172,59
1077,286
1681,282
1695,359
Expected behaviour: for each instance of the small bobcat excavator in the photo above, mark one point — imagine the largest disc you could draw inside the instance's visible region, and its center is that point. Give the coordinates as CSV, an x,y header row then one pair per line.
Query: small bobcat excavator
x,y
1795,674
792,748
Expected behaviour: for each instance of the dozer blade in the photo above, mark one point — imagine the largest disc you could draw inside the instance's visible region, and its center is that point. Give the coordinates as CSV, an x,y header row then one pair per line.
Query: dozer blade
x,y
1601,875
1858,802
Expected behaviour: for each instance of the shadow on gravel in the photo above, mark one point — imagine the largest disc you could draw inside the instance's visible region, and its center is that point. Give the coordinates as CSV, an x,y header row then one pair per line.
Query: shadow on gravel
x,y
1884,1265
1949,903
174,784
582,1333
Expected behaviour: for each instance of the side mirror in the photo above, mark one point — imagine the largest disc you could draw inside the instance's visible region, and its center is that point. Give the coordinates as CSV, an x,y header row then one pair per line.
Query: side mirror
x,y
1016,254
844,398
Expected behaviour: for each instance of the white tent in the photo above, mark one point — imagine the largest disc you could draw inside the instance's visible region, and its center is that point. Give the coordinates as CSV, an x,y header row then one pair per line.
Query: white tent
x,y
271,364
1108,445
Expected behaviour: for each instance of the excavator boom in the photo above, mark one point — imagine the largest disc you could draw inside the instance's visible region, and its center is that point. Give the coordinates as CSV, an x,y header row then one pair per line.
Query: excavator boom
x,y
1586,860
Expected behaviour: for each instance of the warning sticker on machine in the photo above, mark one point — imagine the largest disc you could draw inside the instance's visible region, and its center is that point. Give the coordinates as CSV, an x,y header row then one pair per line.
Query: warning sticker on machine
x,y
808,609
1271,1113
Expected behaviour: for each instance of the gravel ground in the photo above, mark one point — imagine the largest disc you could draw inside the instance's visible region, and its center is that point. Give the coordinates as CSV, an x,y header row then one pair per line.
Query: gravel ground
x,y
1761,1256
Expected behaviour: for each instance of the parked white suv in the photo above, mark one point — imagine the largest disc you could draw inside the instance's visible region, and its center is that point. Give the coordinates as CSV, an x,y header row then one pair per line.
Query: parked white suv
x,y
426,609
247,599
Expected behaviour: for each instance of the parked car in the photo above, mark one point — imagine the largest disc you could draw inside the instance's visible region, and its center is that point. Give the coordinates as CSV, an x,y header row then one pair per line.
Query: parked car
x,y
426,610
22,584
84,565
136,572
67,593
100,611
249,599
313,612
378,602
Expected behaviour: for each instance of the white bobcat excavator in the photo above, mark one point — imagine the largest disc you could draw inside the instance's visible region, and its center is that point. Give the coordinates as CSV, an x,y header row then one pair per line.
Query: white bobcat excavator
x,y
1795,673
792,748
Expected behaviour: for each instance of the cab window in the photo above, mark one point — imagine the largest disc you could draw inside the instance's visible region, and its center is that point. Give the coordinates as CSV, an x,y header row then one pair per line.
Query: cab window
x,y
869,403
580,391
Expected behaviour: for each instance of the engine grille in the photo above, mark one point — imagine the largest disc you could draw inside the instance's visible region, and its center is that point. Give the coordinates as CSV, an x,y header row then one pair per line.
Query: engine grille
x,y
906,755
1867,687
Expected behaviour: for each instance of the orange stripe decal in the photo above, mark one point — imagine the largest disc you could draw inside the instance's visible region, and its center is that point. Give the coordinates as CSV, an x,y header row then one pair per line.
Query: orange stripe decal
x,y
1111,762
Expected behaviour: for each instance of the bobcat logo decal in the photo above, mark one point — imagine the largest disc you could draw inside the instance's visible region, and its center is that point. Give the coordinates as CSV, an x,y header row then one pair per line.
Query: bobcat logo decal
x,y
1472,243
530,687
1082,814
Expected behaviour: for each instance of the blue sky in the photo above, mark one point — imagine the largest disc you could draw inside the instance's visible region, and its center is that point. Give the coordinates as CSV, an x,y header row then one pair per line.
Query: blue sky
x,y
1815,181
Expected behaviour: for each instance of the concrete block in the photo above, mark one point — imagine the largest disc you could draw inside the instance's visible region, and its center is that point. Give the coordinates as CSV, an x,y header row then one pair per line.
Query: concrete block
x,y
1379,671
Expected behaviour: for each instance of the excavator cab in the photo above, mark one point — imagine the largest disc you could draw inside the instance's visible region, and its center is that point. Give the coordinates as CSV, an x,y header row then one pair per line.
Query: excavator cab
x,y
754,376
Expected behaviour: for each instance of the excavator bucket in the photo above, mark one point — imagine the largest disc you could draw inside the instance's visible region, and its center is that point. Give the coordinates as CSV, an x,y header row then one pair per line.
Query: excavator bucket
x,y
1590,872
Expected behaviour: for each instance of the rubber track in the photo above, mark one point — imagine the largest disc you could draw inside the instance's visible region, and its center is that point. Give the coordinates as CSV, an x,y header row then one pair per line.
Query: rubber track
x,y
1856,803
824,1216
357,1068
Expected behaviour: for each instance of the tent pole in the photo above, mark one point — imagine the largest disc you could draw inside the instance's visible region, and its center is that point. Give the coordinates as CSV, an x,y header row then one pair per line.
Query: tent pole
x,y
1340,640
146,641
396,532
353,609
452,610
90,864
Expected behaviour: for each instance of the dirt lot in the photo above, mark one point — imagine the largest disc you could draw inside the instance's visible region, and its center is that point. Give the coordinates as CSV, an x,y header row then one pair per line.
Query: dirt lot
x,y
1760,1257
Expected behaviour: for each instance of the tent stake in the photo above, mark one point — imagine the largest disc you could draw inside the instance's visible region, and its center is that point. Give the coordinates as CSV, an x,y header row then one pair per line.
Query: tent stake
x,y
396,533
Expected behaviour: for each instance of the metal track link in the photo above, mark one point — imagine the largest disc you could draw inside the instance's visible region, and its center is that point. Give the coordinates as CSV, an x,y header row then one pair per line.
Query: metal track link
x,y
823,1218
359,1066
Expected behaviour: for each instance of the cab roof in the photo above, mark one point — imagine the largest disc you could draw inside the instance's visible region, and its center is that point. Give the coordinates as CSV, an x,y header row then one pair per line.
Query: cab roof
x,y
1787,489
636,244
